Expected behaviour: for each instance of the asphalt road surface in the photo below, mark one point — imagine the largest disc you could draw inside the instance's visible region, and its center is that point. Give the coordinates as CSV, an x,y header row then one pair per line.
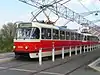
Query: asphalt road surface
x,y
75,65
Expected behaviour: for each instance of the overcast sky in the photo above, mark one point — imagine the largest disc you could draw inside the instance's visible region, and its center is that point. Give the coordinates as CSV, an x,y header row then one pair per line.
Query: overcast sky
x,y
14,10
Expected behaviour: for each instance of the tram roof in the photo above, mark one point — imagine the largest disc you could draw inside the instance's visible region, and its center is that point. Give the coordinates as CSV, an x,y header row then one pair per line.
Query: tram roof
x,y
44,25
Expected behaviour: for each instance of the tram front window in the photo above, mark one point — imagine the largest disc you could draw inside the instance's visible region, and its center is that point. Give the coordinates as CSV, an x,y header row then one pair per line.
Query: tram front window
x,y
28,33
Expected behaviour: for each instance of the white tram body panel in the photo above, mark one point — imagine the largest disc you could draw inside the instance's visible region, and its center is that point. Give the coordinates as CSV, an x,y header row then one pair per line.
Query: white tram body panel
x,y
30,37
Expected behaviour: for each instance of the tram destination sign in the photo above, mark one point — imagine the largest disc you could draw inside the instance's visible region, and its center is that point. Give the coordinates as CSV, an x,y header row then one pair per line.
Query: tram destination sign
x,y
25,25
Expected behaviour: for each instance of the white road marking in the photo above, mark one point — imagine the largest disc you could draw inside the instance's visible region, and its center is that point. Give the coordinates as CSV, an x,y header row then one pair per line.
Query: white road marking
x,y
25,70
95,62
22,70
51,73
3,67
93,65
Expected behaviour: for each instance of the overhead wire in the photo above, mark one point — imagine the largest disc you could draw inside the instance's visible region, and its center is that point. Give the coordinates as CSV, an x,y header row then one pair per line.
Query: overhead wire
x,y
83,5
66,2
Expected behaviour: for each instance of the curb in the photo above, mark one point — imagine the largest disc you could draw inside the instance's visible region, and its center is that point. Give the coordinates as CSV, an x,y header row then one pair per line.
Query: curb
x,y
6,59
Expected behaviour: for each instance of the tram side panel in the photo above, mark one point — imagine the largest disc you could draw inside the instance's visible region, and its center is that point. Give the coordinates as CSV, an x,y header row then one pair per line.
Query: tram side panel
x,y
26,47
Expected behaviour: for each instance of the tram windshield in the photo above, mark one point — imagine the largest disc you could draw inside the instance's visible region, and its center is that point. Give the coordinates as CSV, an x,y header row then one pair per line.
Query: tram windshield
x,y
28,33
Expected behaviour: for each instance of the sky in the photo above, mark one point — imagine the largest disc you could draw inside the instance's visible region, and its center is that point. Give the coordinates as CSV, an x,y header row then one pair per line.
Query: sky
x,y
14,10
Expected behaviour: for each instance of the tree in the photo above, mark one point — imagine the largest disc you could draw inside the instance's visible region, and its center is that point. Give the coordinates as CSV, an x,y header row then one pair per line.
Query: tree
x,y
7,34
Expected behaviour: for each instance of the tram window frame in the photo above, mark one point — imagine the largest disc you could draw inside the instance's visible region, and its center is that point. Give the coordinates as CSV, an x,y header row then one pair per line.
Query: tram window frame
x,y
75,36
78,36
96,38
37,33
88,38
81,37
45,34
68,35
62,34
91,38
72,36
55,34
27,33
85,38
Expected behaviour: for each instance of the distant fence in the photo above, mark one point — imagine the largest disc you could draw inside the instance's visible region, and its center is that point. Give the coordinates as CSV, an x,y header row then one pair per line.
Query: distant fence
x,y
76,49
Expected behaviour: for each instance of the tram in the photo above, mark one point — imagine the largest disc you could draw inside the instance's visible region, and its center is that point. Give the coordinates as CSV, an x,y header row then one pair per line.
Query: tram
x,y
31,36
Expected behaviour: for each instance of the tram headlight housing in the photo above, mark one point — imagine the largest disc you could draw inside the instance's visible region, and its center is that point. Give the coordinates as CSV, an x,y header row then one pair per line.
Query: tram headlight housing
x,y
26,47
14,47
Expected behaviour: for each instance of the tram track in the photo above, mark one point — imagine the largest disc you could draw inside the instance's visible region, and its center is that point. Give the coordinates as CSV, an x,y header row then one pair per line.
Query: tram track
x,y
7,68
68,73
19,65
78,57
35,73
15,66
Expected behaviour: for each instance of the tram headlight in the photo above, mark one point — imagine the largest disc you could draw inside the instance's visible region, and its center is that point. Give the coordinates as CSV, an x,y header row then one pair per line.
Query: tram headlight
x,y
26,47
14,47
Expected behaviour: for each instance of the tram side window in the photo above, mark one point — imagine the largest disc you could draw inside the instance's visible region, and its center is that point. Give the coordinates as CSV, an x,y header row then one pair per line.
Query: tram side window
x,y
96,39
81,37
76,36
46,33
88,38
67,35
55,34
37,31
62,35
91,38
72,36
85,38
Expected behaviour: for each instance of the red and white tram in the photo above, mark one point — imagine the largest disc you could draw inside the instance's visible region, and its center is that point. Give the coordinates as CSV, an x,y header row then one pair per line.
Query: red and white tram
x,y
30,37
